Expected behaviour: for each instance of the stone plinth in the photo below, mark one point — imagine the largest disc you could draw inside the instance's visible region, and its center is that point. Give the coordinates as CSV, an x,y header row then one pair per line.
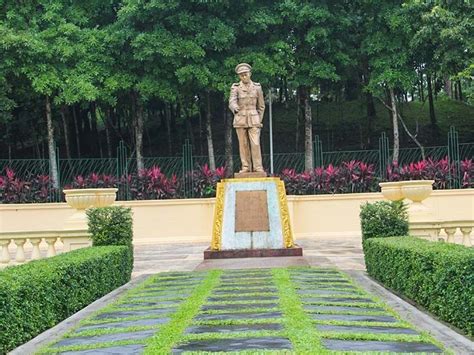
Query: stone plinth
x,y
251,219
249,175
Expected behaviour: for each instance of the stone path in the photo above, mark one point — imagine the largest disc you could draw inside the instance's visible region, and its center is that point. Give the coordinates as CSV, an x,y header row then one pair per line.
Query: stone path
x,y
286,310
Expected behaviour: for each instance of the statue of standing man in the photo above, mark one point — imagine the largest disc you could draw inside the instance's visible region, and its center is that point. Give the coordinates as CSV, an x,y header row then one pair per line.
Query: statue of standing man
x,y
247,104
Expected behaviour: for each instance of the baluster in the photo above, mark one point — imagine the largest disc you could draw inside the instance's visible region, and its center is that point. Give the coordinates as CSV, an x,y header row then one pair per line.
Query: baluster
x,y
5,256
466,236
20,250
450,232
51,248
36,250
435,234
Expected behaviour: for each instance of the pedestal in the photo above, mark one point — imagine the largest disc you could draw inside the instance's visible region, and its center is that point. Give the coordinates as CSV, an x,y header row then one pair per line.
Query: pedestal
x,y
251,219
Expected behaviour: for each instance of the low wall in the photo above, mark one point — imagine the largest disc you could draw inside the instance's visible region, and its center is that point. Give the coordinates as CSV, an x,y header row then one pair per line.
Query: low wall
x,y
190,220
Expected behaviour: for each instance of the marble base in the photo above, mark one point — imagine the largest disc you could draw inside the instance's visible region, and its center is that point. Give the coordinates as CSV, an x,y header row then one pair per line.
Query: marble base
x,y
252,253
250,175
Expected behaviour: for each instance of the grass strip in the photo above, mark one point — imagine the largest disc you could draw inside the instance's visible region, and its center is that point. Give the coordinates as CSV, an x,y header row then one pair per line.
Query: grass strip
x,y
171,332
61,349
123,319
243,352
238,302
234,335
106,331
298,326
241,310
237,321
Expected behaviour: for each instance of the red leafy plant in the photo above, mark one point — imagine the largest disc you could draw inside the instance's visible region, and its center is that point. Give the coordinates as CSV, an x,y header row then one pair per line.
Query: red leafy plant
x,y
93,180
152,184
35,189
204,180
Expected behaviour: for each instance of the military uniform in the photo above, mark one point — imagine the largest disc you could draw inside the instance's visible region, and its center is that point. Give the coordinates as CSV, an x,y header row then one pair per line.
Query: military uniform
x,y
247,104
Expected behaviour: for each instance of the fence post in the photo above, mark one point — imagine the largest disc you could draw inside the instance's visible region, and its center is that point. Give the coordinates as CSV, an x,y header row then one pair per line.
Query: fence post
x,y
453,158
122,171
187,169
384,155
318,152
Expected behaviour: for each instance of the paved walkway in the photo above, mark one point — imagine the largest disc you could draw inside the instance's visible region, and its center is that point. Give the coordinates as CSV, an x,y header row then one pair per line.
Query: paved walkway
x,y
343,253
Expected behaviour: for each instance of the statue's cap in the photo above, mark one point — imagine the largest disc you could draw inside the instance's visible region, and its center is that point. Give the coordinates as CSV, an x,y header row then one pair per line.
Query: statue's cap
x,y
243,68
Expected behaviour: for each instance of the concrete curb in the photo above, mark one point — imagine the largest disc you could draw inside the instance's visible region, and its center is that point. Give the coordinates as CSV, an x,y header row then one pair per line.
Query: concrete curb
x,y
60,329
445,335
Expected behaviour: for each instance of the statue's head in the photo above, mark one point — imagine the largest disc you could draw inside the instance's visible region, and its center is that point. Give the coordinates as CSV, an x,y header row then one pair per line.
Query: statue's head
x,y
244,71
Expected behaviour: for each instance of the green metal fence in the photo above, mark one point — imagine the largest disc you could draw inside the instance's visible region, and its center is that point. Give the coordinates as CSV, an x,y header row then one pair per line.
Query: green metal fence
x,y
123,164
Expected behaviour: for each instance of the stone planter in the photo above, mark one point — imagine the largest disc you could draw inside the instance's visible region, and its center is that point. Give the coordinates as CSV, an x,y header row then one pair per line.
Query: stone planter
x,y
392,190
416,190
81,199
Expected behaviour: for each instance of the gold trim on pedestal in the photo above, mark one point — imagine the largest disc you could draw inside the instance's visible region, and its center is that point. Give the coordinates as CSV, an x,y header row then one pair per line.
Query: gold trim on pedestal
x,y
218,217
284,215
251,179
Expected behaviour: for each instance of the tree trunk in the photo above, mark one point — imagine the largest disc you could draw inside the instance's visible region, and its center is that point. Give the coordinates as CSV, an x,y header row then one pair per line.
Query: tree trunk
x,y
396,135
168,128
229,158
422,92
210,146
298,116
308,129
371,114
51,146
66,131
434,124
78,133
108,137
459,90
447,87
139,132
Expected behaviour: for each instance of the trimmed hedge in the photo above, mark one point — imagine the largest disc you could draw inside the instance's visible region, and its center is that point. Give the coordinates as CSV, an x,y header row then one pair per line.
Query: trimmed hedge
x,y
437,276
38,295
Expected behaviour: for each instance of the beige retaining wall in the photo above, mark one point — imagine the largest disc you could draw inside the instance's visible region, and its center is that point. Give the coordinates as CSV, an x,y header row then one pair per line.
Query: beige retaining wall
x,y
191,220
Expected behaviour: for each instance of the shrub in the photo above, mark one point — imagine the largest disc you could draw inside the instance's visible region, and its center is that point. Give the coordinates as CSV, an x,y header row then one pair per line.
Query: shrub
x,y
37,188
205,180
152,184
110,225
437,276
93,180
38,295
383,219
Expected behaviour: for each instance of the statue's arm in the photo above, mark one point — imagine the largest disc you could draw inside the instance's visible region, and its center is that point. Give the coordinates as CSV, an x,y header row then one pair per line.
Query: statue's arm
x,y
260,103
233,105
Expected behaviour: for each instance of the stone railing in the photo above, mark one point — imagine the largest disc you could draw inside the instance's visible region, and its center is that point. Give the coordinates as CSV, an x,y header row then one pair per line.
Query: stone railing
x,y
449,231
23,246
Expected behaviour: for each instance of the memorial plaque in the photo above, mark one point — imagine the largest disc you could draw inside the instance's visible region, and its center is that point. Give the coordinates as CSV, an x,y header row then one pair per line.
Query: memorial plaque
x,y
251,211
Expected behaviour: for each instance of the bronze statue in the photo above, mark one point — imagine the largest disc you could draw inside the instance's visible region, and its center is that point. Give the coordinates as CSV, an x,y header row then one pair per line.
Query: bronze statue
x,y
247,104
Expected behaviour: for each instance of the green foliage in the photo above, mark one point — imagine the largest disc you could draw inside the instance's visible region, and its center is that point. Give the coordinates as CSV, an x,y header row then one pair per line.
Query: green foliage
x,y
36,296
437,276
110,225
383,219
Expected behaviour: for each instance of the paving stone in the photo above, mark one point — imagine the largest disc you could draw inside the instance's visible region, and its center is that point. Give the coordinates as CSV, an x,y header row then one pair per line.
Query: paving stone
x,y
247,277
158,297
367,329
149,304
392,346
353,318
125,324
340,308
330,292
268,343
334,281
139,313
242,298
105,338
243,291
227,316
198,329
230,306
172,286
247,285
325,286
310,298
125,349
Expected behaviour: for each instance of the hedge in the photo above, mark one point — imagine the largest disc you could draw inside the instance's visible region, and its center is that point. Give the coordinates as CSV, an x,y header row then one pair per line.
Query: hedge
x,y
437,276
38,295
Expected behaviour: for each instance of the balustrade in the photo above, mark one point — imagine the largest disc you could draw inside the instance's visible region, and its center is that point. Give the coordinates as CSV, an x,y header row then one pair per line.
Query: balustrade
x,y
25,241
455,231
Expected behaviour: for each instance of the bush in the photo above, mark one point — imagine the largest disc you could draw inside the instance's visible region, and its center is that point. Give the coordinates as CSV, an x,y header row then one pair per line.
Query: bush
x,y
38,295
110,225
383,219
437,276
